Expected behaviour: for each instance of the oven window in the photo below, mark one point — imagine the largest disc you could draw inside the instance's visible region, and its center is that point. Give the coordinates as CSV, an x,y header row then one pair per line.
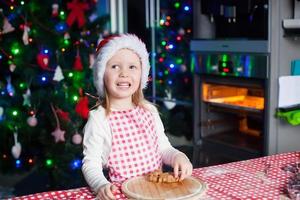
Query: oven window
x,y
230,96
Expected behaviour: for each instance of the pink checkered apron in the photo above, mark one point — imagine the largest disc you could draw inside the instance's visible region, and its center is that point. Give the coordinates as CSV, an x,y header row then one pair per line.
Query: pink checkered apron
x,y
134,149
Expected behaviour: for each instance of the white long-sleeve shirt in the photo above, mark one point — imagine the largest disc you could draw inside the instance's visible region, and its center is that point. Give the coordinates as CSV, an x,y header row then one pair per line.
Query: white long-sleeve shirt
x,y
97,146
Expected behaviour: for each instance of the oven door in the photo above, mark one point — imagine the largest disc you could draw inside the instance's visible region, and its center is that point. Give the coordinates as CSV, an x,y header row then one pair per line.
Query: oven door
x,y
232,115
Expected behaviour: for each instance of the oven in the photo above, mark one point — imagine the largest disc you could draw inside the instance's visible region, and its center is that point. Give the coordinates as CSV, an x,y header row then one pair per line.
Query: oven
x,y
231,102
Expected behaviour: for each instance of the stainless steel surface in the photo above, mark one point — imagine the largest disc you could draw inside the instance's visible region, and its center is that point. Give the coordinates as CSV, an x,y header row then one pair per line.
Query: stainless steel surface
x,y
237,46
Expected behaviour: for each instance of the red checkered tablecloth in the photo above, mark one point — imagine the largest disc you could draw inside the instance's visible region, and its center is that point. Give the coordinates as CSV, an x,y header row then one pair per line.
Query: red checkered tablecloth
x,y
261,178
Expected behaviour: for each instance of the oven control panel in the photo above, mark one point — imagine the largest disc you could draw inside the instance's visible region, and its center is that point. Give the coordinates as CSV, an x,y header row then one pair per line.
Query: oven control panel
x,y
238,65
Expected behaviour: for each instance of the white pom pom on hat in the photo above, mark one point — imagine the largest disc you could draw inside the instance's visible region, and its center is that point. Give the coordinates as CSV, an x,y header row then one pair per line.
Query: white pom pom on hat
x,y
108,47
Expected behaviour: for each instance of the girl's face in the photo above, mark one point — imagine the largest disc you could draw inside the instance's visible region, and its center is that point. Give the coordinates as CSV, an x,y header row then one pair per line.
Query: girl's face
x,y
122,75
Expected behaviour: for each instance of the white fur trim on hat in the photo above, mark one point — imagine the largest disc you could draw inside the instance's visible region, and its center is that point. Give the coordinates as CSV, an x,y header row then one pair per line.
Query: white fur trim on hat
x,y
114,44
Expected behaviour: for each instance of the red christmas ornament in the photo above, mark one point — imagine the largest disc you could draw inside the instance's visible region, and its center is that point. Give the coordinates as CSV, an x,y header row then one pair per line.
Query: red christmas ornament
x,y
77,13
82,107
63,115
42,60
78,64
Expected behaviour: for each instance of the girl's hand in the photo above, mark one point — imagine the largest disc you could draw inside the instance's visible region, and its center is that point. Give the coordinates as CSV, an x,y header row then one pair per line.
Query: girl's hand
x,y
106,192
182,166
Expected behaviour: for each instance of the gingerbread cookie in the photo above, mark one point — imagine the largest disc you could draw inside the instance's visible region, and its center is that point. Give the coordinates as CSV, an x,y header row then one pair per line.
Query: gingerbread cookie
x,y
158,176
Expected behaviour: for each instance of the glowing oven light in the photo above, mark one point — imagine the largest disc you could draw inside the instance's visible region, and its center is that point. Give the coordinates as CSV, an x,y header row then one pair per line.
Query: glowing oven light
x,y
236,96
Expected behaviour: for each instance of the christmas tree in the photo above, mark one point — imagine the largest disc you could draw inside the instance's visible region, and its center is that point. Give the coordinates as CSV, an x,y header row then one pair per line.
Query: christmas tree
x,y
46,48
173,76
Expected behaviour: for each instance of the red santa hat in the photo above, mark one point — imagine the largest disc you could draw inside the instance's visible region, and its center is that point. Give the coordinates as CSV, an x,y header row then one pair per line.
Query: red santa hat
x,y
108,47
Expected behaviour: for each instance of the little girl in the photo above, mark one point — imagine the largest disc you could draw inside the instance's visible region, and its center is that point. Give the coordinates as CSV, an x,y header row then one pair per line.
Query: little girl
x,y
125,133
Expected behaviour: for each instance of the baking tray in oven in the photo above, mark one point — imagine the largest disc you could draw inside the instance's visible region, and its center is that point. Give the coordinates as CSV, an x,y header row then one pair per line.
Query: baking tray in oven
x,y
247,103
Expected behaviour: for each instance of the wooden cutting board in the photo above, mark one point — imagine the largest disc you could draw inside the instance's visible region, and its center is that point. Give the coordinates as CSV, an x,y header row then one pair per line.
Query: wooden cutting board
x,y
140,188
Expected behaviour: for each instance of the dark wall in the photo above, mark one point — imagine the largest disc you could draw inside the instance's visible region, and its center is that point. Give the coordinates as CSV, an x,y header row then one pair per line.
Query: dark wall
x,y
137,21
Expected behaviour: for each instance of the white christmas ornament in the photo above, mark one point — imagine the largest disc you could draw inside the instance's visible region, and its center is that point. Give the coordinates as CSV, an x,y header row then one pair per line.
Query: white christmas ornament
x,y
25,35
16,149
181,31
58,75
58,134
168,101
7,27
26,96
67,36
55,8
77,138
32,121
12,67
